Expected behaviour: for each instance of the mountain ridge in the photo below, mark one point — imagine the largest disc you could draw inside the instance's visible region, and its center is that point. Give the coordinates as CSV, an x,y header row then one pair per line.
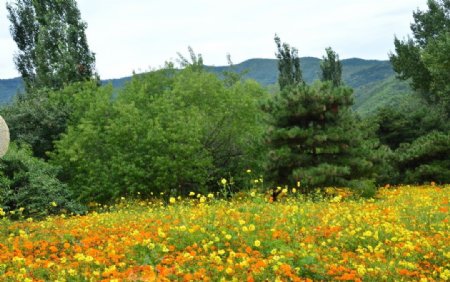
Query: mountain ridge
x,y
373,81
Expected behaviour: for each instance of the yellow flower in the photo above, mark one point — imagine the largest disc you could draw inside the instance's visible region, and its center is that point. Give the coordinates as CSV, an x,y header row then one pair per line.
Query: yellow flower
x,y
257,243
368,233
298,183
221,252
361,270
172,200
223,181
192,194
54,204
210,195
72,272
445,275
249,170
251,227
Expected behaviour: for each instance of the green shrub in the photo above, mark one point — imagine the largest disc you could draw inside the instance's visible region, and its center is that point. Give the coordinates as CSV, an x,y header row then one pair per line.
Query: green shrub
x,y
363,188
30,184
164,131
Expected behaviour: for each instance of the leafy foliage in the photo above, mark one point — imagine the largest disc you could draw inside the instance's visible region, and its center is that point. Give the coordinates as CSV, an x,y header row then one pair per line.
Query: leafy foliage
x,y
167,130
289,72
425,58
29,183
53,49
39,117
331,67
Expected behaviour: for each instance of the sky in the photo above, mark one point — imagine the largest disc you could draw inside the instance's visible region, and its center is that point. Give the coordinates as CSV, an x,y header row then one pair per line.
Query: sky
x,y
141,35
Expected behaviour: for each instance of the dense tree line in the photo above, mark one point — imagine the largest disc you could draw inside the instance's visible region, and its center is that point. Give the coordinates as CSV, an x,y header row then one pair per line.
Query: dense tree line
x,y
181,130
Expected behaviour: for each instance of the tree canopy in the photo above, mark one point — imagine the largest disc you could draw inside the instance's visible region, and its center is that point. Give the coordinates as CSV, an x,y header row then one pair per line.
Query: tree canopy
x,y
331,67
53,49
289,72
425,58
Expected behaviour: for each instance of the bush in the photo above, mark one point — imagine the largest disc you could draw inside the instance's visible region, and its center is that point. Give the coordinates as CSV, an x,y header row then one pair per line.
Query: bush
x,y
31,185
39,118
165,131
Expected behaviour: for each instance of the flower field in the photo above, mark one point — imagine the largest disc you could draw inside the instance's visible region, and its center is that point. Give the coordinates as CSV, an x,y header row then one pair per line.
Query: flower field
x,y
401,235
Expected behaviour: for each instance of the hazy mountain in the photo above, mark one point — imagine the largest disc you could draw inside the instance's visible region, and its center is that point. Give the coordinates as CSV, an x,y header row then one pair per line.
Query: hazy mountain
x,y
373,81
9,88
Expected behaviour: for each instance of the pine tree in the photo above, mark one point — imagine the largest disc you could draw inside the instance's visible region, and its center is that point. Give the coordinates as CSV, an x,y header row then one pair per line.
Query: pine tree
x,y
53,49
425,159
314,136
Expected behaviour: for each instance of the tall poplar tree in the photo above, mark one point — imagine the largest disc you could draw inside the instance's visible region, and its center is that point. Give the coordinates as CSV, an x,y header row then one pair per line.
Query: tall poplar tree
x,y
52,54
331,67
289,72
424,59
53,49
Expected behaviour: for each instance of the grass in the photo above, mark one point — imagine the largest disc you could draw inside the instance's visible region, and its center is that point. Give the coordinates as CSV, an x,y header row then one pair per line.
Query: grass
x,y
401,234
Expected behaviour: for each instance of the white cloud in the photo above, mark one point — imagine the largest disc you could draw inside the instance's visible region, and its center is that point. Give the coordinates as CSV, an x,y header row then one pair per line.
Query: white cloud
x,y
139,34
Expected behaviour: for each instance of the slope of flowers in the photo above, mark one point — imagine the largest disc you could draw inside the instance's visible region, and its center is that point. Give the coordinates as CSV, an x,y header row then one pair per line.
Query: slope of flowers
x,y
403,234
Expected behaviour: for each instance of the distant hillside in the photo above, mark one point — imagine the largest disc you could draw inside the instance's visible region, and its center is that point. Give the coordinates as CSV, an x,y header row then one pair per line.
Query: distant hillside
x,y
9,88
373,81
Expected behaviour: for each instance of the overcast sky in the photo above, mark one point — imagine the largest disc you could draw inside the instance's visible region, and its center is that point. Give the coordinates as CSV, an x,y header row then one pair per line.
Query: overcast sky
x,y
138,35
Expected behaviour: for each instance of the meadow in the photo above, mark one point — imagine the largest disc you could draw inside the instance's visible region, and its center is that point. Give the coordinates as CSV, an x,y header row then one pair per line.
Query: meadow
x,y
401,234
